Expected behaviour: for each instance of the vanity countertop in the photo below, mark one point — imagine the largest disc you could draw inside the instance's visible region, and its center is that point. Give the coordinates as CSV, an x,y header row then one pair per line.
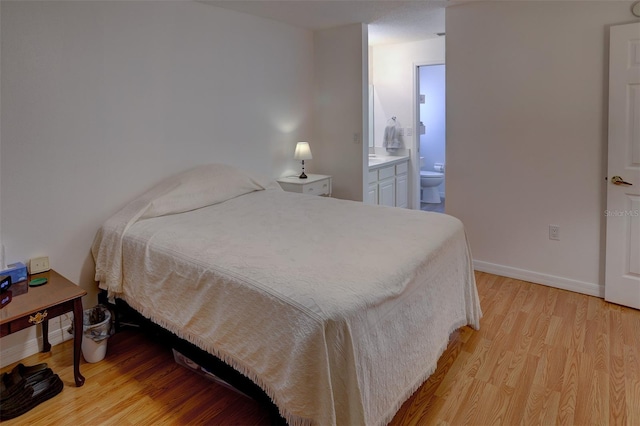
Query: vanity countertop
x,y
378,161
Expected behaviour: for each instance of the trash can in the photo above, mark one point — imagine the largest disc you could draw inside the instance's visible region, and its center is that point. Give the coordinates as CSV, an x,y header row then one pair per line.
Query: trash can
x,y
96,327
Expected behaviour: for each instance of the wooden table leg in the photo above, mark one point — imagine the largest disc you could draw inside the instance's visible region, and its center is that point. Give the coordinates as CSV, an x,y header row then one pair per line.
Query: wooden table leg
x,y
77,341
46,346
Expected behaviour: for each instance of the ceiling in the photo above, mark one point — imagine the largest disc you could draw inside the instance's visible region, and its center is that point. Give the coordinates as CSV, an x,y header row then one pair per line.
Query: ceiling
x,y
390,21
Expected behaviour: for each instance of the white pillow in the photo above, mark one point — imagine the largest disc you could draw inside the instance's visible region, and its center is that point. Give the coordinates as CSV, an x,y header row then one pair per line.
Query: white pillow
x,y
203,186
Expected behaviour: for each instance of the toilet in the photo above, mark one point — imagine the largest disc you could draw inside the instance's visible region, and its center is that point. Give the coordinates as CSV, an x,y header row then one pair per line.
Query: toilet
x,y
429,182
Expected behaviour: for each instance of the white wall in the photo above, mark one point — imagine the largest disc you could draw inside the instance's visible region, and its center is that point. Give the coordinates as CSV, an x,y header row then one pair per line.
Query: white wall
x,y
433,142
341,108
526,135
100,100
394,77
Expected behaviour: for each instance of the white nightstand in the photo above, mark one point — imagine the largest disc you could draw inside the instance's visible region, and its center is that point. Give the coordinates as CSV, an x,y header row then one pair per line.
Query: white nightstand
x,y
313,184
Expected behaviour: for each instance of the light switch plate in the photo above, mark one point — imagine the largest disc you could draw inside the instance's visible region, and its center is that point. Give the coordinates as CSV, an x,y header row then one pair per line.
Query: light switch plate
x,y
39,264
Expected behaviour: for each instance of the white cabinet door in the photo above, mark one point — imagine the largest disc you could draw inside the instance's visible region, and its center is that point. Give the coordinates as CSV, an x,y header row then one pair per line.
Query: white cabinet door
x,y
387,192
372,194
402,191
389,186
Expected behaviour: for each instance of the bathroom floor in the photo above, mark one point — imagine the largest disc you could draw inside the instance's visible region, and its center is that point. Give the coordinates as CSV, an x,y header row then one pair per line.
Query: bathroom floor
x,y
431,207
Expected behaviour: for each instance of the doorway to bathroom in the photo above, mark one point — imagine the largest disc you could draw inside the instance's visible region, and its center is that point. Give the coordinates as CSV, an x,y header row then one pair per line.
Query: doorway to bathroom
x,y
431,136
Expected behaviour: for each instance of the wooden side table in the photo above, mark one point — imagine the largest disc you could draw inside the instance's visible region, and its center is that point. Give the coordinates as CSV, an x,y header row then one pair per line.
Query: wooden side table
x,y
38,305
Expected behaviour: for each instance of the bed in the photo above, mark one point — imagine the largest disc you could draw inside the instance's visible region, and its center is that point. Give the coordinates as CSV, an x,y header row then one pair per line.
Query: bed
x,y
338,310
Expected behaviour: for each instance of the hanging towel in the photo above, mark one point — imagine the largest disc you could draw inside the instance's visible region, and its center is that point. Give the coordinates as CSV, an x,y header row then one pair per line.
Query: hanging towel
x,y
392,138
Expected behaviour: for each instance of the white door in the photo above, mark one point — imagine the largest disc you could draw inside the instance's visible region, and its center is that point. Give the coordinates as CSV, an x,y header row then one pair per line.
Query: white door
x,y
622,270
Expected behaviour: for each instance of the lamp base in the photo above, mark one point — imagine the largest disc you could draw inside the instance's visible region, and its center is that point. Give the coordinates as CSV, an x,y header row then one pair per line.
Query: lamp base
x,y
302,176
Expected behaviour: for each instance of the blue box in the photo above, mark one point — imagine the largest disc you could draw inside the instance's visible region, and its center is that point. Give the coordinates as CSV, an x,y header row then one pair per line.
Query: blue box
x,y
17,271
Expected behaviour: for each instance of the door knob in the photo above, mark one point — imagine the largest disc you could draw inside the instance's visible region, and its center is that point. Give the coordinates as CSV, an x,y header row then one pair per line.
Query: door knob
x,y
617,180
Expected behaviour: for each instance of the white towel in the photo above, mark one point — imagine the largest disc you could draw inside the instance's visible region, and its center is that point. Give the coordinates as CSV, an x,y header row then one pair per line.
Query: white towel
x,y
392,138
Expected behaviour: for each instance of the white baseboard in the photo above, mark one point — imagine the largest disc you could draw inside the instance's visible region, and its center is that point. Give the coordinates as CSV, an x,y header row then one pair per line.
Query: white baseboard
x,y
539,278
33,344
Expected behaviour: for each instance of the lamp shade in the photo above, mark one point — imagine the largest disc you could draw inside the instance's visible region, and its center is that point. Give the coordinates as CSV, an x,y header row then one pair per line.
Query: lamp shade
x,y
303,151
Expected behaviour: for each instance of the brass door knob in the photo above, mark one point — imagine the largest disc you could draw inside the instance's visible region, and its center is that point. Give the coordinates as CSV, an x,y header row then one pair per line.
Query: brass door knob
x,y
617,180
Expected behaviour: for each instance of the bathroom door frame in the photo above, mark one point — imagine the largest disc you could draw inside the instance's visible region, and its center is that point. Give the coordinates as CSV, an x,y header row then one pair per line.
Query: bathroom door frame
x,y
414,184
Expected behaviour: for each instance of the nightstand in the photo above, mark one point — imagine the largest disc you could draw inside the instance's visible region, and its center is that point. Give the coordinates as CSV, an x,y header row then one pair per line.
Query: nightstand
x,y
313,184
39,304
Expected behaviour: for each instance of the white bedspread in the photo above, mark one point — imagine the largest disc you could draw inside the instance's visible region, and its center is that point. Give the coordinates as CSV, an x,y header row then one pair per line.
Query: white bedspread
x,y
338,310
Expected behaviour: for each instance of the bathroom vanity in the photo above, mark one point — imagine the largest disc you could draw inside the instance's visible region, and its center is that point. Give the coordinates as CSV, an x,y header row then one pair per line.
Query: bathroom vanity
x,y
388,181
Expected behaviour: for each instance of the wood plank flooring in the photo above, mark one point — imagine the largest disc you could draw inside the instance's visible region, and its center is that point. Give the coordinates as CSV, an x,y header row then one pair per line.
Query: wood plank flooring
x,y
543,356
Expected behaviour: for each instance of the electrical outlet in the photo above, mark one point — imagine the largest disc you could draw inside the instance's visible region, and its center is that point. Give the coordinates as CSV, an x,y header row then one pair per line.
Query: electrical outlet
x,y
39,264
554,232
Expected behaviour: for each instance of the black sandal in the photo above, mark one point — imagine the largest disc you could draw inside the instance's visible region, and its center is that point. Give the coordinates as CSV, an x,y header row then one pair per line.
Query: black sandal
x,y
12,382
38,393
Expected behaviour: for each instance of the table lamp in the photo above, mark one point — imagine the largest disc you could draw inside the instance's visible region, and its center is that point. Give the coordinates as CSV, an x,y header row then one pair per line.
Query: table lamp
x,y
303,152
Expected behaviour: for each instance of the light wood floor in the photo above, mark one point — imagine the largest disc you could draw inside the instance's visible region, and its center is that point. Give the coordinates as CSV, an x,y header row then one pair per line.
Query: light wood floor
x,y
543,356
